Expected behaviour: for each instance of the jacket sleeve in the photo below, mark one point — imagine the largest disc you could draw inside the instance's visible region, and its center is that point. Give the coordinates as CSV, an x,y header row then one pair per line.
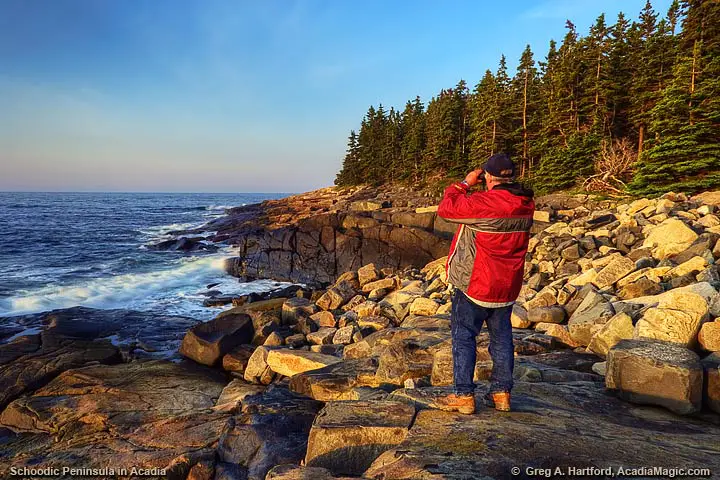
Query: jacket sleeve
x,y
459,207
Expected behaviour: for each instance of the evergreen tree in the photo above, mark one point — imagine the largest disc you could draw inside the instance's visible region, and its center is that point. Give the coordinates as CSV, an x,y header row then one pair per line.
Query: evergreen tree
x,y
413,140
684,151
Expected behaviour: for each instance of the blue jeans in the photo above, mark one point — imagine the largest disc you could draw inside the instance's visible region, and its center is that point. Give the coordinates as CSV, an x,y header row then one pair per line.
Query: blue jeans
x,y
467,319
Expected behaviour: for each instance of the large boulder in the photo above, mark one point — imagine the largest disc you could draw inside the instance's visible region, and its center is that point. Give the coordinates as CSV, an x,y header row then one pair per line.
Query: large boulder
x,y
208,342
291,362
676,318
337,381
656,373
347,437
669,238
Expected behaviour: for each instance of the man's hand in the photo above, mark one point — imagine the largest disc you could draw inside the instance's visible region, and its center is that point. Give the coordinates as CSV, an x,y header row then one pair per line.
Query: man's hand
x,y
473,178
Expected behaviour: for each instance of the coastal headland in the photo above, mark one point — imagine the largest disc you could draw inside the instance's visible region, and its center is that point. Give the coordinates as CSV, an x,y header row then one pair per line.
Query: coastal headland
x,y
616,331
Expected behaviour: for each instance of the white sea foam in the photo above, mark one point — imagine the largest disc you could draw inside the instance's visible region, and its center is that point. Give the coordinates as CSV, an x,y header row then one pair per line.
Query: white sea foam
x,y
159,231
174,291
219,207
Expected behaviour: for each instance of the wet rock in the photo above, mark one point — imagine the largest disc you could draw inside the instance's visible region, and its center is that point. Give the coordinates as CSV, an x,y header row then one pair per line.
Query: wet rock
x,y
348,436
208,342
291,362
656,373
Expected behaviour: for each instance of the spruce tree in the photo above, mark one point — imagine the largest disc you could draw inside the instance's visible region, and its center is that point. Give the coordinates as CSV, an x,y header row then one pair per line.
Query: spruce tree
x,y
684,148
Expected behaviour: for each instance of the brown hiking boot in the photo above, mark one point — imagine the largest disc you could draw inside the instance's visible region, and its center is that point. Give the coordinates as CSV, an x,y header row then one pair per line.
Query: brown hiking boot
x,y
499,400
457,403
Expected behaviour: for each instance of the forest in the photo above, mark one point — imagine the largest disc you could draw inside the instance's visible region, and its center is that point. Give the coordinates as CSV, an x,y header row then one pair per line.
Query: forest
x,y
630,108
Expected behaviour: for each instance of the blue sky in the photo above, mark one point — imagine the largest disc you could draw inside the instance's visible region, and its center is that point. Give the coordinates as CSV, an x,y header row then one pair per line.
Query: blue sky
x,y
221,95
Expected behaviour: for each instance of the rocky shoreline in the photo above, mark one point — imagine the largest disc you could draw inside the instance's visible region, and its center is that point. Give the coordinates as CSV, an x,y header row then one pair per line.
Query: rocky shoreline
x,y
616,332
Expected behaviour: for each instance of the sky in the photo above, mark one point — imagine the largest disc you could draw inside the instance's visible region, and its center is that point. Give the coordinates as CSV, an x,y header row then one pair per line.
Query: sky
x,y
233,95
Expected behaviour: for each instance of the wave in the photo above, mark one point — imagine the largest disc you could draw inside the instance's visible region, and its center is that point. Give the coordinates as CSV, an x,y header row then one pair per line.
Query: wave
x,y
219,207
174,291
164,229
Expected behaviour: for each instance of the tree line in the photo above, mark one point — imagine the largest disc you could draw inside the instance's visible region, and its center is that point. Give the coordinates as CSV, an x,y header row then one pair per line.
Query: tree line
x,y
632,106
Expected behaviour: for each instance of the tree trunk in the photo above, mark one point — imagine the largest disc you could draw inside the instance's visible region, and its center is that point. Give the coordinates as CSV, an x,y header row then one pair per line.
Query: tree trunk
x,y
641,139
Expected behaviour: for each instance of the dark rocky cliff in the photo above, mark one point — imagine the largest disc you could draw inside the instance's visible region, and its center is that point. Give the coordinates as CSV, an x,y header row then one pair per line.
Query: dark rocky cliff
x,y
316,236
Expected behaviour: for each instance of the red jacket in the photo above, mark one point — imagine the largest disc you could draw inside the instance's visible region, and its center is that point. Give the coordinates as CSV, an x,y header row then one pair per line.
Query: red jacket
x,y
487,254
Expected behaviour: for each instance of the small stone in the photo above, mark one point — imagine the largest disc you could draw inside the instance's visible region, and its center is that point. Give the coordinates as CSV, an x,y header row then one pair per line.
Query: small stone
x,y
709,336
237,360
541,216
344,335
324,336
423,306
519,317
613,272
375,323
295,341
324,319
555,314
354,302
291,362
257,370
695,264
296,307
274,340
561,334
600,368
336,350
389,283
368,309
368,273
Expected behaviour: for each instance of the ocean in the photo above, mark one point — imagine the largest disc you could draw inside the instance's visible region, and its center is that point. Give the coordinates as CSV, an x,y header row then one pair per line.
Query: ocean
x,y
59,250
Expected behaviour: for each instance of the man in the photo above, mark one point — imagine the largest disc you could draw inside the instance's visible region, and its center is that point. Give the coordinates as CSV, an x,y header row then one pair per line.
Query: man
x,y
485,267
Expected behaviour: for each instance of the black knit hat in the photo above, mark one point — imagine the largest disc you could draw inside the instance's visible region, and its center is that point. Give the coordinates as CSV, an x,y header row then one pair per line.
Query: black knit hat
x,y
500,165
